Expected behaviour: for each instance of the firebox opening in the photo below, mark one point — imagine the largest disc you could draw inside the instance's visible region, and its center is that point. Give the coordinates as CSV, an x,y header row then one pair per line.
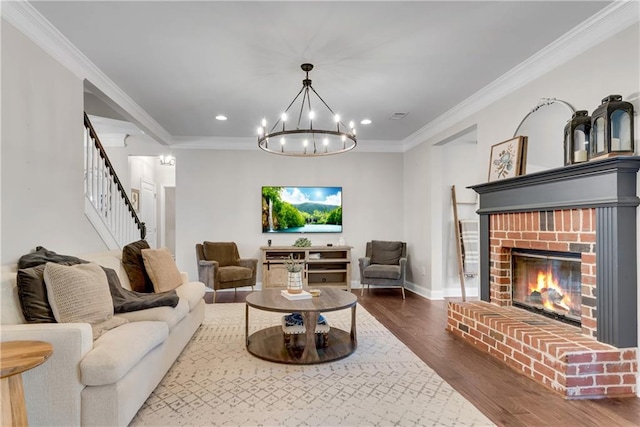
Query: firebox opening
x,y
548,283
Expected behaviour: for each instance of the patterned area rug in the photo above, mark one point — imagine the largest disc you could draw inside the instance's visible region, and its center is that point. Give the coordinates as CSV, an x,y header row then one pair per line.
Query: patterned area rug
x,y
217,382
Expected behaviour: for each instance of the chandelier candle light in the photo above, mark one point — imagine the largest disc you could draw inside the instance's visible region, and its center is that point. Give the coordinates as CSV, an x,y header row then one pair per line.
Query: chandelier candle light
x,y
331,137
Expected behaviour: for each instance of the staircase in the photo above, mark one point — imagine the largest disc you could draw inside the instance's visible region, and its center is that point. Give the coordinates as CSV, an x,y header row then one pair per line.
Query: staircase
x,y
107,205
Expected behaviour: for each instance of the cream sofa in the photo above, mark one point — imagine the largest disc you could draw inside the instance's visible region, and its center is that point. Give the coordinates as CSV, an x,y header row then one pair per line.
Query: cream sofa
x,y
103,382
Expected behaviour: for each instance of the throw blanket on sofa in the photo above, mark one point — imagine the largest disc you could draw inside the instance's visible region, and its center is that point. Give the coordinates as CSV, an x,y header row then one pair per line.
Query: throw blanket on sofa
x,y
32,290
125,300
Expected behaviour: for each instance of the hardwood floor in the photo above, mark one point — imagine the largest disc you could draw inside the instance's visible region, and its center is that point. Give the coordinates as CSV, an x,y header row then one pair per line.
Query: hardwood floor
x,y
504,396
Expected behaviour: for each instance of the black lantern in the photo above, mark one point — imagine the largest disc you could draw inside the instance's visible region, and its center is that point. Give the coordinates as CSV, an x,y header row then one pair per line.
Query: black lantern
x,y
576,138
612,128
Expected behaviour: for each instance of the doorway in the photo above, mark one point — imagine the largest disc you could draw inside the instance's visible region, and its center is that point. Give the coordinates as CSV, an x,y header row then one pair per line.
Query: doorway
x,y
148,211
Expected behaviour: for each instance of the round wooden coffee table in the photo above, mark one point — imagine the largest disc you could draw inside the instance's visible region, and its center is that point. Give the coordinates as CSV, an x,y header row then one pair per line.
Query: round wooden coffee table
x,y
269,343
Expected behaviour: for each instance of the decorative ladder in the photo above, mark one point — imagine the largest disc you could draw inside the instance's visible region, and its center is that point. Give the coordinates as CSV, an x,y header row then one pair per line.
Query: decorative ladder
x,y
107,205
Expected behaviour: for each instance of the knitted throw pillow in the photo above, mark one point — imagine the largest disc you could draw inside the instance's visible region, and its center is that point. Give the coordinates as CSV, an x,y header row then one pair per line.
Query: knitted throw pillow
x,y
80,294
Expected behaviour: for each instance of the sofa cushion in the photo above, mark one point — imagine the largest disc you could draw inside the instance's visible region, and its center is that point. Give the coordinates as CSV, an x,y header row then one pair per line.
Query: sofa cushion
x,y
232,273
80,294
193,292
162,269
379,271
170,315
33,295
119,350
386,253
32,291
223,252
134,266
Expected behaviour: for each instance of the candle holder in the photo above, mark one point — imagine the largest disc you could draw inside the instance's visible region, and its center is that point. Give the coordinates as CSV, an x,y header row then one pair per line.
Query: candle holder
x,y
576,138
612,128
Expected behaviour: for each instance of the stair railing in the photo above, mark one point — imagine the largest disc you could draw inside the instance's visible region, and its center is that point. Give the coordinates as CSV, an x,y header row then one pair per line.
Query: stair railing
x,y
105,193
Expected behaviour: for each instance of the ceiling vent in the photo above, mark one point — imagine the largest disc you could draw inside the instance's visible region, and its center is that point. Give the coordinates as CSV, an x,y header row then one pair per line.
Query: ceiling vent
x,y
398,116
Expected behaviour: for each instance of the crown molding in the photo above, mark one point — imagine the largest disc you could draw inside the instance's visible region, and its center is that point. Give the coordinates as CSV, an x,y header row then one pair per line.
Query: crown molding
x,y
214,143
609,21
250,143
23,16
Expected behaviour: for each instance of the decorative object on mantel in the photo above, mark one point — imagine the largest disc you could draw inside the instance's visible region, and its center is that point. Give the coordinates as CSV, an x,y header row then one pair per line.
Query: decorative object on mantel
x,y
576,138
294,274
543,126
508,158
323,134
612,128
542,103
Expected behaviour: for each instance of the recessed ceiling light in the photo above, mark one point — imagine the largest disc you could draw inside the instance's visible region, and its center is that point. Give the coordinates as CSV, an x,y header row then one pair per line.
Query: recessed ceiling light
x,y
365,122
221,117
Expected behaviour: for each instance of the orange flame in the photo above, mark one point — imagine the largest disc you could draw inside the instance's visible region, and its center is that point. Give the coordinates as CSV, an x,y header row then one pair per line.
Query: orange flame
x,y
543,285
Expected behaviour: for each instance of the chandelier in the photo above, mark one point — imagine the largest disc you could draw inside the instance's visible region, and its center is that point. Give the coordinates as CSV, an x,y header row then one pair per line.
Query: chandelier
x,y
315,134
167,160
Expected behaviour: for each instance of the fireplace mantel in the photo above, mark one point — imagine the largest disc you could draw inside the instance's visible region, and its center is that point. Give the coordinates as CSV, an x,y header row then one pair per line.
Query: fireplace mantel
x,y
608,186
608,182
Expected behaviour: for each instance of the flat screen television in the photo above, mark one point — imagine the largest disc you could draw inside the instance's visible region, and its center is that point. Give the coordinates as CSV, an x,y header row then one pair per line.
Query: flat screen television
x,y
302,209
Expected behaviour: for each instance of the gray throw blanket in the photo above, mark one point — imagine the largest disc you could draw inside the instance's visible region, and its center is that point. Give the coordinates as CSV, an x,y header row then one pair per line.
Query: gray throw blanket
x,y
124,300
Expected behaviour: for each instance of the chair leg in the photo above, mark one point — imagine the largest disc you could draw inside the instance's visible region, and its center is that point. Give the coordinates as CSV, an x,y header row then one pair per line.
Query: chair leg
x,y
403,292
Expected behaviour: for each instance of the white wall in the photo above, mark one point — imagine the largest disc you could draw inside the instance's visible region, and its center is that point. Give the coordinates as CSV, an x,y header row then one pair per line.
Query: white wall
x,y
218,198
42,158
612,67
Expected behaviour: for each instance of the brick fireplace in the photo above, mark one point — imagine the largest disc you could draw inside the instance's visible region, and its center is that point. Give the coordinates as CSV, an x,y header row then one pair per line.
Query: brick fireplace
x,y
589,211
568,230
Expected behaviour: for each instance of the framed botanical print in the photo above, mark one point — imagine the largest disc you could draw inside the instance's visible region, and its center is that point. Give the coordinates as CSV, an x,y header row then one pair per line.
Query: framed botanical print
x,y
508,158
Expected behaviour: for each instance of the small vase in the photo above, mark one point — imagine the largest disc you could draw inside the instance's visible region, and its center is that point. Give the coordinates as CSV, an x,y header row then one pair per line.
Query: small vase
x,y
294,282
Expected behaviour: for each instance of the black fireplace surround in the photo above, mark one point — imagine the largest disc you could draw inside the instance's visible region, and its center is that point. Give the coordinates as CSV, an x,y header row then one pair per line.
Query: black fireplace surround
x,y
609,186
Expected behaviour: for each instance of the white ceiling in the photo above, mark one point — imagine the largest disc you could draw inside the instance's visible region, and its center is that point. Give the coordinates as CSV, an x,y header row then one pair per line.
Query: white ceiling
x,y
185,62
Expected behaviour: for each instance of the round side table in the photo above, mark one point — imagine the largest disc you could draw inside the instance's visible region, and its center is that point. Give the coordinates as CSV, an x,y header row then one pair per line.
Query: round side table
x,y
17,357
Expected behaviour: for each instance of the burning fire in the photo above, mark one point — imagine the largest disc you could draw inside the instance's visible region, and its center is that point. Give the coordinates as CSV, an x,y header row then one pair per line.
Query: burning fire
x,y
550,292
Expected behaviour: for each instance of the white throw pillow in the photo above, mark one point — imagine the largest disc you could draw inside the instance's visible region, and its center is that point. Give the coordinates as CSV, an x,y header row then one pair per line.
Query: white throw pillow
x,y
162,269
80,294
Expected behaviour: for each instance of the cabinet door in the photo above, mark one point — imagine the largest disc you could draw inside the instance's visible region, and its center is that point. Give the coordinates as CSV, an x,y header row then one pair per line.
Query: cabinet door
x,y
276,276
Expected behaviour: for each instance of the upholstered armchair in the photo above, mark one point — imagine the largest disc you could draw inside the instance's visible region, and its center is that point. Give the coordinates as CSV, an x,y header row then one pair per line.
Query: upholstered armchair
x,y
384,263
220,266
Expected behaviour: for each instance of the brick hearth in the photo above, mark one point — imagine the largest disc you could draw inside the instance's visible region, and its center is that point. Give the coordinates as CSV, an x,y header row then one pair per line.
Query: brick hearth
x,y
557,355
588,209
